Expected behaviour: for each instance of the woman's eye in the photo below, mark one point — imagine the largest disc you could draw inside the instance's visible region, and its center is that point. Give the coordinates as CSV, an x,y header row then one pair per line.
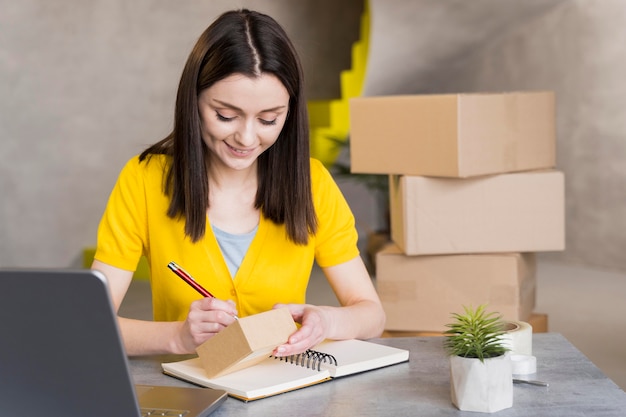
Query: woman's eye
x,y
223,118
268,122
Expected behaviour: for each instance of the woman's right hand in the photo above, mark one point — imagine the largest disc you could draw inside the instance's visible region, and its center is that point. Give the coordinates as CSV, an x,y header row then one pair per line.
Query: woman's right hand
x,y
206,318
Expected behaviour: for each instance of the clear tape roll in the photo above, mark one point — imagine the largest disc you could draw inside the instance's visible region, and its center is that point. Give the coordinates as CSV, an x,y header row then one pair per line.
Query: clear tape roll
x,y
518,338
523,364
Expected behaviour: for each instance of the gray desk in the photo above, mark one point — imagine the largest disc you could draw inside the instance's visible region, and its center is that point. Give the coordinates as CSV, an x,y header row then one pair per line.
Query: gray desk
x,y
421,387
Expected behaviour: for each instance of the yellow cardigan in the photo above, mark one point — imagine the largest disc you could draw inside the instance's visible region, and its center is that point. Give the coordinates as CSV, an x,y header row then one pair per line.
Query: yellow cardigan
x,y
274,270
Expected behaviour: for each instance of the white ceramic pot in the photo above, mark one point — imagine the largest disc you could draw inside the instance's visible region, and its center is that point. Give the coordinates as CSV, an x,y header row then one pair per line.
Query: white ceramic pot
x,y
481,386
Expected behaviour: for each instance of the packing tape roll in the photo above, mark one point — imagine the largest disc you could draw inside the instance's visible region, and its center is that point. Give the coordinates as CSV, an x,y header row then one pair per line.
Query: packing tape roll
x,y
518,338
523,364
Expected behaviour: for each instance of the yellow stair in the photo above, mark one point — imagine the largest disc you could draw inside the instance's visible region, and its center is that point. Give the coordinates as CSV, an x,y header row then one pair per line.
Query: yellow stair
x,y
330,119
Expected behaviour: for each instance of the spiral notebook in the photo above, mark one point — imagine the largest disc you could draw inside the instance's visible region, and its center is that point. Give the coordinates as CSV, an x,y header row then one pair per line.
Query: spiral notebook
x,y
329,359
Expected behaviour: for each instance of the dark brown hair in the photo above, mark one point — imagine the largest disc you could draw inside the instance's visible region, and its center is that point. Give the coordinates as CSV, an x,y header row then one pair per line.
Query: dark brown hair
x,y
248,43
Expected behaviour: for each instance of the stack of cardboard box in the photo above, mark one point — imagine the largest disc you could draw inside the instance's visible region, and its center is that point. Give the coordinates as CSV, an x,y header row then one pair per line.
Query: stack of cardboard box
x,y
474,194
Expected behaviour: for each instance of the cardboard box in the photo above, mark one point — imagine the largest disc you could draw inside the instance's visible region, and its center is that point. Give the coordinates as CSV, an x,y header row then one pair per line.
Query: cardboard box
x,y
419,293
453,135
538,321
404,333
246,342
518,212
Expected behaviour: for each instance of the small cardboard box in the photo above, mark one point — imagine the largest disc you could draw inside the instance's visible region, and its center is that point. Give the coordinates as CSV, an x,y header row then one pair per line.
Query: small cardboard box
x,y
419,293
517,212
453,135
246,342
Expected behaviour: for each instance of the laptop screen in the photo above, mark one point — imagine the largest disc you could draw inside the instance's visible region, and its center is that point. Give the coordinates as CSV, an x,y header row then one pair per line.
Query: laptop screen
x,y
60,350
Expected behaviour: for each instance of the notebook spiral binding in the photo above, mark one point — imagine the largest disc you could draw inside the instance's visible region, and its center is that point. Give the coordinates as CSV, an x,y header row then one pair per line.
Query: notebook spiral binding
x,y
310,359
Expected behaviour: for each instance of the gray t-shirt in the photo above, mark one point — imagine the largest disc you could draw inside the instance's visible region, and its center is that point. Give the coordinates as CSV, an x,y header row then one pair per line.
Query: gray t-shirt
x,y
234,247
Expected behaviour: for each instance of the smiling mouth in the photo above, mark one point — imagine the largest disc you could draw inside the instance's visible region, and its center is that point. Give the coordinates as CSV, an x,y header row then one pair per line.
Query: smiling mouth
x,y
237,151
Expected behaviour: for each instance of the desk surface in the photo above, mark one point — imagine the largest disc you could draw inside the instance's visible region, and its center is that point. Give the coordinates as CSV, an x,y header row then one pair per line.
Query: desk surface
x,y
422,387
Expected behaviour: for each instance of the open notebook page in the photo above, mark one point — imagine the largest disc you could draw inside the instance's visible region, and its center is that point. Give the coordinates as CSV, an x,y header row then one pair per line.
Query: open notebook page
x,y
273,376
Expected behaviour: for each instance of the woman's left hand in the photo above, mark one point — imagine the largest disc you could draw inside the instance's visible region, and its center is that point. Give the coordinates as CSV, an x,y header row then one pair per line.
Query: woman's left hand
x,y
314,323
360,315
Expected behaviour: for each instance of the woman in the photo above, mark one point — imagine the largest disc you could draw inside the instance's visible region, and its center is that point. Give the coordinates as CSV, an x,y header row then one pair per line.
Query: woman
x,y
232,196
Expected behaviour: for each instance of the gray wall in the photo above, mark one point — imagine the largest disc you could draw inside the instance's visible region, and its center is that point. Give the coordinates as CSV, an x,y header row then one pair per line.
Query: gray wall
x,y
576,48
84,85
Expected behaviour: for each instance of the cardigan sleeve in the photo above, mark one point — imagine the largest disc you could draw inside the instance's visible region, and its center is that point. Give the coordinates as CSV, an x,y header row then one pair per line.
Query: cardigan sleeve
x,y
336,238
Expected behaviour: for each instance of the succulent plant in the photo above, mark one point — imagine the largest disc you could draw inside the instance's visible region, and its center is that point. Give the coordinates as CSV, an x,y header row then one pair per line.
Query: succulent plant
x,y
475,334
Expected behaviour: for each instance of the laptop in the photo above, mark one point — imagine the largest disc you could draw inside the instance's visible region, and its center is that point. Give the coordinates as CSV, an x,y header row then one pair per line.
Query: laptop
x,y
61,353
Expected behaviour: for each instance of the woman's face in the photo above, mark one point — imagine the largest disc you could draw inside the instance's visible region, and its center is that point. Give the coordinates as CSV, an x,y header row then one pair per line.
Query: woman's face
x,y
242,117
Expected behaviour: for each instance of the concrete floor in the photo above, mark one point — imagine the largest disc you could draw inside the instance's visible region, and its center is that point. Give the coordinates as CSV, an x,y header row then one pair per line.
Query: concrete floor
x,y
585,305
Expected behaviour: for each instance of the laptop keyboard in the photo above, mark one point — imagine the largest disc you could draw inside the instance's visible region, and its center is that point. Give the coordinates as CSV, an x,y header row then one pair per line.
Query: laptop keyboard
x,y
145,412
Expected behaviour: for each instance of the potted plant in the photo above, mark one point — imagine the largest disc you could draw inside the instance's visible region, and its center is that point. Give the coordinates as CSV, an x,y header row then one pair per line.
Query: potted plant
x,y
480,367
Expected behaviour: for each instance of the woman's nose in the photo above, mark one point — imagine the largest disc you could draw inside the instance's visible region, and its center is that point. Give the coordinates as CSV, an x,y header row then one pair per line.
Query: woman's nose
x,y
247,134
